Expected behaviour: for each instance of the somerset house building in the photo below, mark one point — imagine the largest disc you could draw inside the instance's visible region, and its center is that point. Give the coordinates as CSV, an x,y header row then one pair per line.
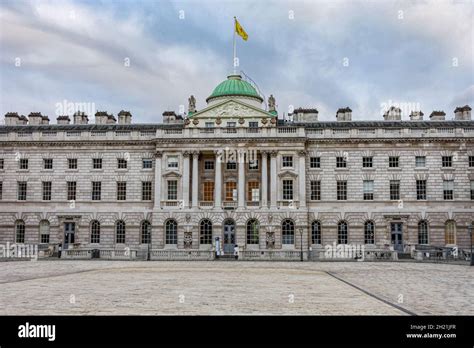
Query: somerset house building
x,y
234,173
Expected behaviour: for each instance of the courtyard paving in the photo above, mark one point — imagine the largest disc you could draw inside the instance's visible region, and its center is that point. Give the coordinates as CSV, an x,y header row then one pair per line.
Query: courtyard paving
x,y
234,288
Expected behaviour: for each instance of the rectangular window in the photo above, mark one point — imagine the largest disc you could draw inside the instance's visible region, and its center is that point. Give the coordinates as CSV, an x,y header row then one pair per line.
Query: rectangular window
x,y
394,190
72,163
22,190
471,162
287,161
71,190
231,124
253,191
231,165
23,163
96,190
209,124
173,162
46,190
44,233
288,189
341,190
315,162
121,163
230,190
472,190
147,163
208,165
341,162
448,189
253,164
393,162
121,190
47,163
253,124
208,191
421,190
2,164
1,190
172,190
315,187
367,162
368,190
146,190
447,161
420,161
97,163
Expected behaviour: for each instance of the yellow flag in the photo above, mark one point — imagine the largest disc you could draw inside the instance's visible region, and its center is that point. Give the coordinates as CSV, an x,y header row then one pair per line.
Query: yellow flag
x,y
240,31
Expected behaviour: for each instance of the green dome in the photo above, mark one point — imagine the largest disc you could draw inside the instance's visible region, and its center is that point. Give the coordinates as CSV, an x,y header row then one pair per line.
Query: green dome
x,y
234,86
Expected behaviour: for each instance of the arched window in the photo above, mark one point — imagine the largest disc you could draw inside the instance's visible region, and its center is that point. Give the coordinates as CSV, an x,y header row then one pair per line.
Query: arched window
x,y
171,232
315,232
450,232
145,232
288,232
205,232
120,232
95,232
369,232
20,231
44,231
253,229
422,232
342,232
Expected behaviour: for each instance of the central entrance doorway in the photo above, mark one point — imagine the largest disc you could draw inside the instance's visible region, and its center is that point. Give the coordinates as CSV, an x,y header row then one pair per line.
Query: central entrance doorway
x,y
229,236
69,230
397,233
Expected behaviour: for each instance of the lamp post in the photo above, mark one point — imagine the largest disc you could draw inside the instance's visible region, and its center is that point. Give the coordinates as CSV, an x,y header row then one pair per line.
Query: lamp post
x,y
469,231
301,244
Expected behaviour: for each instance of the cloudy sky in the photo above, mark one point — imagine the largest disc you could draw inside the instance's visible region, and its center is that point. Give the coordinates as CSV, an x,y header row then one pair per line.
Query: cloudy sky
x,y
150,56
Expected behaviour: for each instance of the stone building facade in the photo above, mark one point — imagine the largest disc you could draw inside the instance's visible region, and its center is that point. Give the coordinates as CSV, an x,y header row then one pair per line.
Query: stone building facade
x,y
236,173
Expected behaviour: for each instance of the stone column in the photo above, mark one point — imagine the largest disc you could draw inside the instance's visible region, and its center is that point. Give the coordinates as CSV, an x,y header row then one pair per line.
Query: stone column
x,y
218,180
264,179
241,189
195,182
185,181
302,178
158,156
273,180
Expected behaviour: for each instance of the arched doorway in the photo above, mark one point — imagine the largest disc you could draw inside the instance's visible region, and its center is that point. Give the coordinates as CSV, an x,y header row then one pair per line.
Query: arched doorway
x,y
229,236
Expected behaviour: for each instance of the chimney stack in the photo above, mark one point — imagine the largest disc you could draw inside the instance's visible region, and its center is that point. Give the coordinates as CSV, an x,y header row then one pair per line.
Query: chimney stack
x,y
35,118
80,118
344,114
416,116
101,117
11,118
64,119
124,117
462,113
438,116
393,114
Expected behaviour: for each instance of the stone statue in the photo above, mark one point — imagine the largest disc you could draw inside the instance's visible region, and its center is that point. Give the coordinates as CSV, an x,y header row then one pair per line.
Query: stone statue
x,y
271,103
192,104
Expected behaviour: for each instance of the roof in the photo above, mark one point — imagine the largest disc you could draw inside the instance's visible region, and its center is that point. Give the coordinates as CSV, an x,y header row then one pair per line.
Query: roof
x,y
235,86
463,108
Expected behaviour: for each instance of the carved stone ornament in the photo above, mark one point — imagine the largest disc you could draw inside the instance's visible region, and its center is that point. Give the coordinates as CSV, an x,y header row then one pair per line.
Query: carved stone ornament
x,y
188,240
195,121
187,121
241,120
264,120
273,120
270,239
218,120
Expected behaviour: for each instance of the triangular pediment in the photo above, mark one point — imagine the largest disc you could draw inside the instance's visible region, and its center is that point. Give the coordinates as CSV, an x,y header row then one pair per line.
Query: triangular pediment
x,y
231,109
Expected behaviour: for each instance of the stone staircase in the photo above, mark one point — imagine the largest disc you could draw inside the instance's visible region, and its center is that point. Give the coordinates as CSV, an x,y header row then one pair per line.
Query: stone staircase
x,y
226,257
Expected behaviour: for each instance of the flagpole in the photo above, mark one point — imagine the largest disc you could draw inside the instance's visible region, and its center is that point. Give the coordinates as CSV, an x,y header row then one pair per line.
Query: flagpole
x,y
233,61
